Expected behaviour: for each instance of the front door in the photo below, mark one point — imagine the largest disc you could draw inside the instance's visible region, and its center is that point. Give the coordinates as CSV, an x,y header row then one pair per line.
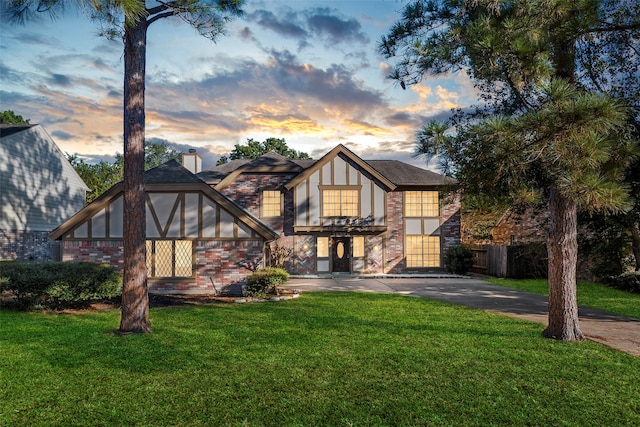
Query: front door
x,y
340,251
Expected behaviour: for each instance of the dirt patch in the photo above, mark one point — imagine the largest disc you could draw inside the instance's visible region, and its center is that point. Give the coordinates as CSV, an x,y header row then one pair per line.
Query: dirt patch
x,y
159,301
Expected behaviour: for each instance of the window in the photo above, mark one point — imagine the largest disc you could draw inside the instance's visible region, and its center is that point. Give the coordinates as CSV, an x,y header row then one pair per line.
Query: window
x,y
340,203
169,258
421,203
358,246
422,251
271,204
323,247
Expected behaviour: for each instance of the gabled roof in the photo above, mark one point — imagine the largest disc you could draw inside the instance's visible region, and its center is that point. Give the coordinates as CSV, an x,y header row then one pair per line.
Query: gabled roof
x,y
403,174
270,162
341,149
6,130
392,173
168,175
170,172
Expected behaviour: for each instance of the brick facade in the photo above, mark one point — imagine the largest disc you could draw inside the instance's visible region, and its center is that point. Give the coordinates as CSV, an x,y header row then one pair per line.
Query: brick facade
x,y
219,265
451,222
28,246
394,236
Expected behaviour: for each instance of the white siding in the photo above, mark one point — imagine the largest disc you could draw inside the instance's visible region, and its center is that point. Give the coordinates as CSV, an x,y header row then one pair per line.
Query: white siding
x,y
191,214
314,199
115,218
301,204
339,171
379,206
365,197
39,189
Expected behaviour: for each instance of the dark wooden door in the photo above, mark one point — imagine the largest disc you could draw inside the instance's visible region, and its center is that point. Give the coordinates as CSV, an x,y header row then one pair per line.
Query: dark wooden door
x,y
341,250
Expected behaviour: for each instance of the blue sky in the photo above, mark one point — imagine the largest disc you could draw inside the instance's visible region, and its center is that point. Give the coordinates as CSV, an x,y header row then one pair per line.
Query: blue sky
x,y
306,71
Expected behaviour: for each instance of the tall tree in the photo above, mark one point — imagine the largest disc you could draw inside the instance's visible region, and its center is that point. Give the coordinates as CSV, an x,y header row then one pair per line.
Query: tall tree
x,y
130,19
532,61
253,149
8,117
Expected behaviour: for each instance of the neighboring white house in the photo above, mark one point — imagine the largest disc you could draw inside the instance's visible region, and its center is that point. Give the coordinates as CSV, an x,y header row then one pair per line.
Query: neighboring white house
x,y
39,189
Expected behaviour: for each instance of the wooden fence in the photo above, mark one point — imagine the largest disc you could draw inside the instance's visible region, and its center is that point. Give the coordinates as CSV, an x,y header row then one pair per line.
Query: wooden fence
x,y
517,261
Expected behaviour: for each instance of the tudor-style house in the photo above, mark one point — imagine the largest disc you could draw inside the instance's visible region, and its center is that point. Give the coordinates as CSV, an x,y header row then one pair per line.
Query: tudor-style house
x,y
207,230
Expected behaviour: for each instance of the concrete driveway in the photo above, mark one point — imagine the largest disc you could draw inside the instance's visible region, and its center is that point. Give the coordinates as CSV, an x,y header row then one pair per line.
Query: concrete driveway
x,y
622,333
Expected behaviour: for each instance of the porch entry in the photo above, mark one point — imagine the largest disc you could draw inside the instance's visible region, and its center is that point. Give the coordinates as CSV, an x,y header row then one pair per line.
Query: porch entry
x,y
341,254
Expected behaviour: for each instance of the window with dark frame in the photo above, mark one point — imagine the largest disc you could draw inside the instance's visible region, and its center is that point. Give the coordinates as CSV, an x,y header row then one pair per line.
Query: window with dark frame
x,y
340,202
271,204
421,204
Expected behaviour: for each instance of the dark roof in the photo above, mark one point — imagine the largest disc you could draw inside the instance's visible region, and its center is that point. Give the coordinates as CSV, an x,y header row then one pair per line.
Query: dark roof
x,y
170,172
6,130
268,160
401,173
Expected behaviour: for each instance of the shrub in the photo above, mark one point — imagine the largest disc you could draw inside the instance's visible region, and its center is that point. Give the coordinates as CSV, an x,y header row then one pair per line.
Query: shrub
x,y
459,259
626,281
58,285
280,255
265,281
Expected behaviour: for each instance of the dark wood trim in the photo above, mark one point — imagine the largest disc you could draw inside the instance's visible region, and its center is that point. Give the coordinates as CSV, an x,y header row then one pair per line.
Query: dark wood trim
x,y
350,158
156,220
374,229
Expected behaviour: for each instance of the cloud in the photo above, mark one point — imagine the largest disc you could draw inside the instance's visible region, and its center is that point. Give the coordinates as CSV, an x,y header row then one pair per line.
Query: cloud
x,y
335,29
334,85
11,76
285,27
246,34
60,80
35,39
58,134
306,26
358,126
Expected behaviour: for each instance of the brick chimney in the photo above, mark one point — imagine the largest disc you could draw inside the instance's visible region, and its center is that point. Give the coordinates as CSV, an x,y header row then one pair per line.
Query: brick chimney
x,y
192,161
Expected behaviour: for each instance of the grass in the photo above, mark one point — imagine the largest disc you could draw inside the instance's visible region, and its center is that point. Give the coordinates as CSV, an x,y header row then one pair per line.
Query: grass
x,y
335,359
590,294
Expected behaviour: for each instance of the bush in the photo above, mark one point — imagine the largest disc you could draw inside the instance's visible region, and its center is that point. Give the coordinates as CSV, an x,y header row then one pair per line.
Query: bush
x,y
626,281
459,259
57,285
266,281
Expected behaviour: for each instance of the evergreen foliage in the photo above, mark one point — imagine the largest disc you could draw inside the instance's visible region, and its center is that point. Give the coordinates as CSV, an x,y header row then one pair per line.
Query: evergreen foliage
x,y
57,285
253,149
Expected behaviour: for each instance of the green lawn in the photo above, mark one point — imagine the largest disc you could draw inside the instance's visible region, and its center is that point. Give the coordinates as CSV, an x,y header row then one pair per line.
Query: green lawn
x,y
590,294
324,359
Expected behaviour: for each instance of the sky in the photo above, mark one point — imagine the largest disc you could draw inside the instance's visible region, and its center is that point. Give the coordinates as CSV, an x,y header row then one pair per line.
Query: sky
x,y
305,71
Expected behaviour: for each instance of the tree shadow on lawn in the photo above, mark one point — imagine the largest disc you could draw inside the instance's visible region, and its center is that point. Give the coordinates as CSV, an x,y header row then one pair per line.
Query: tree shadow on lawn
x,y
214,337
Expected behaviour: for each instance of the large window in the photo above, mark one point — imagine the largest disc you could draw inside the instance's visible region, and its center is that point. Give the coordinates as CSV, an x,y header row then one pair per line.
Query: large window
x,y
271,205
169,258
340,203
422,251
421,203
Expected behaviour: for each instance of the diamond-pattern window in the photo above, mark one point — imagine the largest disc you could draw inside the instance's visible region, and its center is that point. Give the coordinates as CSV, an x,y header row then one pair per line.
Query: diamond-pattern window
x,y
169,258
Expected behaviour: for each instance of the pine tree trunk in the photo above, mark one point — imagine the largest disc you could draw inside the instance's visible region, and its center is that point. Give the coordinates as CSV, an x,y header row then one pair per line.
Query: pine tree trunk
x,y
635,243
562,249
134,315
